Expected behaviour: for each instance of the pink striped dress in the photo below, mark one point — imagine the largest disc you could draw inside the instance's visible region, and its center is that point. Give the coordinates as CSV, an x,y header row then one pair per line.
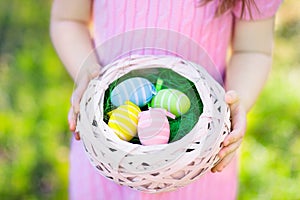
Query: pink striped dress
x,y
112,18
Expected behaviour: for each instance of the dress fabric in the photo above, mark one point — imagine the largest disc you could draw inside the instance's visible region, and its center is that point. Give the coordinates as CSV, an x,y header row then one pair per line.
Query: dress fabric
x,y
112,18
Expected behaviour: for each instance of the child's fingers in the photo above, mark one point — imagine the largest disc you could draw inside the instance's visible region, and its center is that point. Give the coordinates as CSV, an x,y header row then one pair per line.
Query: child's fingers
x,y
233,141
74,110
235,135
77,95
233,100
226,150
72,119
76,135
239,119
75,104
223,163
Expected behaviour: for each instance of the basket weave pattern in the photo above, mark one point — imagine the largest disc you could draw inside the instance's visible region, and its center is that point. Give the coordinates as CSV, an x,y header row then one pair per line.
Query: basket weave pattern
x,y
156,168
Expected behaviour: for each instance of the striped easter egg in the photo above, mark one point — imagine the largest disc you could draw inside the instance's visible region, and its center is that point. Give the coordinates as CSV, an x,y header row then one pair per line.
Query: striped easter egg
x,y
153,126
124,119
137,90
172,100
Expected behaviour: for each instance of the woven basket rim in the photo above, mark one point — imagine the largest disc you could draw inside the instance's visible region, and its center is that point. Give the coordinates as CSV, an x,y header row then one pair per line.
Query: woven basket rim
x,y
201,94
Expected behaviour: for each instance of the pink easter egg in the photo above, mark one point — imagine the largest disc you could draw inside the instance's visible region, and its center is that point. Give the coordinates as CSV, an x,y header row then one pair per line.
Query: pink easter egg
x,y
153,126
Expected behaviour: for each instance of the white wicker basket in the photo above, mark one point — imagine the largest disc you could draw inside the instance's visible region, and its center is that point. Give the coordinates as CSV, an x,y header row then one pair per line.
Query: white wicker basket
x,y
156,168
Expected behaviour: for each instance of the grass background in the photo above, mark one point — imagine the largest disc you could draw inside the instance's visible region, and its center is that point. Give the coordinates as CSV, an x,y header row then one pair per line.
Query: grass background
x,y
34,101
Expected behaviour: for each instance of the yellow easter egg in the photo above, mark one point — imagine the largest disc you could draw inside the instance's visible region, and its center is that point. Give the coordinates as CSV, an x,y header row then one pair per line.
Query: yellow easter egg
x,y
124,120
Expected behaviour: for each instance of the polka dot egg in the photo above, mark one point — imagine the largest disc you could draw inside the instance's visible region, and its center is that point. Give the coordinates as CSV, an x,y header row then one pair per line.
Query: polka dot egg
x,y
137,90
124,120
153,126
172,100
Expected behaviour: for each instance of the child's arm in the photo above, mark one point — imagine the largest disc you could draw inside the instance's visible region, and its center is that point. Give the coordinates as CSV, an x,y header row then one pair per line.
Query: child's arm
x,y
70,34
246,75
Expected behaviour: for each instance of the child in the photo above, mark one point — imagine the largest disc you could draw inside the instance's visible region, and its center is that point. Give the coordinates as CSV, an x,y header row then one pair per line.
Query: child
x,y
245,26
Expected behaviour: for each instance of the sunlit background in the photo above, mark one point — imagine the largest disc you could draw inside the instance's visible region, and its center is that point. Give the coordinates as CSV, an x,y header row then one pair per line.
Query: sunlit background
x,y
34,101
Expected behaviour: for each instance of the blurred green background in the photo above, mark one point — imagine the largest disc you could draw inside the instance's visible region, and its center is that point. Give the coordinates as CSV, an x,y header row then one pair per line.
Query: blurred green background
x,y
34,101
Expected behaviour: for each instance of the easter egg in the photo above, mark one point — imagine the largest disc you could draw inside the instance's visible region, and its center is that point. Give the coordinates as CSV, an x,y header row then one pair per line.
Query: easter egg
x,y
137,90
153,126
172,100
124,119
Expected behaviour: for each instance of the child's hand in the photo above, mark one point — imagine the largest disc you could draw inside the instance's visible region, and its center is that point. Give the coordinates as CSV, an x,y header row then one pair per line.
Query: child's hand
x,y
238,126
82,84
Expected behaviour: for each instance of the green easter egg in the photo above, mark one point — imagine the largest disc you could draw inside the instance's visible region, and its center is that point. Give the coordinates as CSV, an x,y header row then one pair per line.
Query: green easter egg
x,y
172,100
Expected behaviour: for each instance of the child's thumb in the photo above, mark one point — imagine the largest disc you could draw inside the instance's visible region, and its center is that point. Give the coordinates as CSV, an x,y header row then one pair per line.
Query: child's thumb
x,y
231,97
